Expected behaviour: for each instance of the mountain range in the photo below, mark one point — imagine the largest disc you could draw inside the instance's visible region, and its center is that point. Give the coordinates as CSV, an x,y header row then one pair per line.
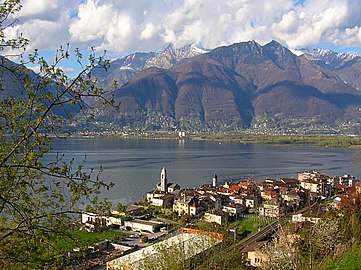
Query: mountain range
x,y
244,86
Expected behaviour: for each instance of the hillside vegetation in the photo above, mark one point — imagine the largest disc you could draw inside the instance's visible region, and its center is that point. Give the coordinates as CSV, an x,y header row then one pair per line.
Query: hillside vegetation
x,y
318,140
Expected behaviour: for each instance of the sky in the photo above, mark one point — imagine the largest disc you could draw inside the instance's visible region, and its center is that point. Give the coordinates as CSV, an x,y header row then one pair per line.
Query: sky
x,y
124,26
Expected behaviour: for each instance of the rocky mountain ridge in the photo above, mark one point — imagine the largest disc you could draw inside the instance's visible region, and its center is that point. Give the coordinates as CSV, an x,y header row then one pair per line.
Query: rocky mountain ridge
x,y
244,86
123,69
241,86
346,66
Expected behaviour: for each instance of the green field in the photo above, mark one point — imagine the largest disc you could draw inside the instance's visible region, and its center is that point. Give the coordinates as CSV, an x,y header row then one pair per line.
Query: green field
x,y
251,223
82,239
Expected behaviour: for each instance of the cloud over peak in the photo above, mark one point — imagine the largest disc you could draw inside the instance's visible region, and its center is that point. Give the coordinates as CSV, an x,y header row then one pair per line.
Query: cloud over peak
x,y
121,26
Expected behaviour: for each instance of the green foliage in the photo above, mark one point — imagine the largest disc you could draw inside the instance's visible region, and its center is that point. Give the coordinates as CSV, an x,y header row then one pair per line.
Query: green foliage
x,y
351,260
144,239
121,208
210,227
37,199
319,140
82,239
324,245
154,210
226,261
327,244
355,225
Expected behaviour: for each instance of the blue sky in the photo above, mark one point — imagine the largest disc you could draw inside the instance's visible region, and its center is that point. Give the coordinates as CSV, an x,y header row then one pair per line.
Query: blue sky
x,y
123,26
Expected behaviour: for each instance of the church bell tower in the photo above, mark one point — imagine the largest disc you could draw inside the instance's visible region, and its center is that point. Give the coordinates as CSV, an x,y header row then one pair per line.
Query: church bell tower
x,y
163,180
214,180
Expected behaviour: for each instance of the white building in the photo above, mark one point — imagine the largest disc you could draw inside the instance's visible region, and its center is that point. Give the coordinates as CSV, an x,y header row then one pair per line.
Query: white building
x,y
218,217
163,188
347,180
313,181
251,201
270,208
187,243
303,218
93,221
234,209
143,225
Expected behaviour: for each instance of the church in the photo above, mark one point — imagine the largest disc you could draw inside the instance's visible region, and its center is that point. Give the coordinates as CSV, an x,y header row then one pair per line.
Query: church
x,y
164,192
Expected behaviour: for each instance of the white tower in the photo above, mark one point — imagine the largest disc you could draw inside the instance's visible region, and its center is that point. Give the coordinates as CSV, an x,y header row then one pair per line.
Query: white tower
x,y
163,180
214,180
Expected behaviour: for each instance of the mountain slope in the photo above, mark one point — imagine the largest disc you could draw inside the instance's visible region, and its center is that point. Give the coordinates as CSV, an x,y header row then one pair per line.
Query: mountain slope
x,y
234,86
293,99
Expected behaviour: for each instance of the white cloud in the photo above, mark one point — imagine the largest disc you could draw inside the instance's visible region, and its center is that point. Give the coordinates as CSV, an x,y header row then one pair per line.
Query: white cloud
x,y
38,8
68,70
314,22
42,34
289,23
119,33
92,22
347,37
148,32
122,26
45,9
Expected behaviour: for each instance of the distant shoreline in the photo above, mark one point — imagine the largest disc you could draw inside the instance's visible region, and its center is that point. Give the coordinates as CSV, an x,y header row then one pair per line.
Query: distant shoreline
x,y
317,140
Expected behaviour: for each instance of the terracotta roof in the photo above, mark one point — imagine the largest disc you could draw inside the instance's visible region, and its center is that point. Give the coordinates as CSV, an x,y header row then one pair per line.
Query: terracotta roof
x,y
262,184
271,193
245,184
339,186
222,189
235,188
350,189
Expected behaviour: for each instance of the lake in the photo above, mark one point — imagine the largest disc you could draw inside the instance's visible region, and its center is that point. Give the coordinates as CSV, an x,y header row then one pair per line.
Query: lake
x,y
134,165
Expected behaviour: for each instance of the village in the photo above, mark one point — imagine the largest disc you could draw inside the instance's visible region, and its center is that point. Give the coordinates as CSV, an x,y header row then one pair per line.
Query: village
x,y
181,211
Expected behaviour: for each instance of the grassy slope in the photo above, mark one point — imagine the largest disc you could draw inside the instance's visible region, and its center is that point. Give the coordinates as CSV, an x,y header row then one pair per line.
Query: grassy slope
x,y
350,260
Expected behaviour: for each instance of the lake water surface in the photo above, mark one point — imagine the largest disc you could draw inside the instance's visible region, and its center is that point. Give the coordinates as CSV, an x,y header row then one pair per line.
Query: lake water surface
x,y
134,165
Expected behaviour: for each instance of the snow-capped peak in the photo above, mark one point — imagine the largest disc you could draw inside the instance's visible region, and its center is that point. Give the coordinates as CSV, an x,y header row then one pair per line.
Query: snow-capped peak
x,y
172,55
198,50
296,52
327,53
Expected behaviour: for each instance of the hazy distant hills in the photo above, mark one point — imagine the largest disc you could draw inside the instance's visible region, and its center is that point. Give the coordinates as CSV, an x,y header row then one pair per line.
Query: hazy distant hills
x,y
17,81
241,86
